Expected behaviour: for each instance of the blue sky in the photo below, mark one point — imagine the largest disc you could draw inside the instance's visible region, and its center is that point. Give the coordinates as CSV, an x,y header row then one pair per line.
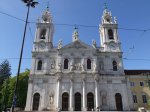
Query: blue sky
x,y
131,14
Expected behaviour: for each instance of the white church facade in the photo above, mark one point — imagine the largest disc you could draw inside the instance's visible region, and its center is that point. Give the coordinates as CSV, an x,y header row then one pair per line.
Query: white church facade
x,y
77,76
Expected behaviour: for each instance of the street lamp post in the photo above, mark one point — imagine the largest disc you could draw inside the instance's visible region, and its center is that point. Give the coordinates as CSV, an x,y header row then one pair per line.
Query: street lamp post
x,y
29,3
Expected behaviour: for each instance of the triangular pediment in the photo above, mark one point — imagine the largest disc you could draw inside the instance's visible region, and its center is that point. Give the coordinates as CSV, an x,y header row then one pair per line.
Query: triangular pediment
x,y
77,45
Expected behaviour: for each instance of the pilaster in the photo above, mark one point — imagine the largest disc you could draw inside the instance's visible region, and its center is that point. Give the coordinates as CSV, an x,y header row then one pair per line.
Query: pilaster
x,y
71,95
96,78
29,96
58,92
83,90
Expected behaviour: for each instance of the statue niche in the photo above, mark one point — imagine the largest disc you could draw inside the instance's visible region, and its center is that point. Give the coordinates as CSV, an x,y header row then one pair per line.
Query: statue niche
x,y
104,105
51,101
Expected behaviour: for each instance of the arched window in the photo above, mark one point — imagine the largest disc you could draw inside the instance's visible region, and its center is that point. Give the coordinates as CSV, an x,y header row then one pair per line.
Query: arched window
x,y
66,64
77,99
39,66
90,101
114,63
88,64
43,34
65,101
36,100
118,99
110,34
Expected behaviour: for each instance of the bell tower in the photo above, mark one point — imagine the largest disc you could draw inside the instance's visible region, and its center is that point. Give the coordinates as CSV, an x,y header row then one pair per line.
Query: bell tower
x,y
44,32
109,32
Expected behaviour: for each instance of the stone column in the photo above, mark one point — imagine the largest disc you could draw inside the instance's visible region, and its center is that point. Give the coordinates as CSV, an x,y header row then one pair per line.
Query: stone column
x,y
58,95
96,93
83,89
71,95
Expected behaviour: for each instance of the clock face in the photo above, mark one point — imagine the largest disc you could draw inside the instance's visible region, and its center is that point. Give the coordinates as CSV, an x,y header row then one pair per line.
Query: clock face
x,y
42,45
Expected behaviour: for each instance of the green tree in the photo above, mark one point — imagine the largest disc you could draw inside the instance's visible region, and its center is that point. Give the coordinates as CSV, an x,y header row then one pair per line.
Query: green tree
x,y
7,90
4,94
22,89
5,71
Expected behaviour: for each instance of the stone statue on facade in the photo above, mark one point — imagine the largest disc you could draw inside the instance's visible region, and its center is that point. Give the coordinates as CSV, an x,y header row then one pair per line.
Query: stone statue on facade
x,y
59,66
94,43
115,20
78,66
71,67
60,44
53,65
82,67
51,99
94,67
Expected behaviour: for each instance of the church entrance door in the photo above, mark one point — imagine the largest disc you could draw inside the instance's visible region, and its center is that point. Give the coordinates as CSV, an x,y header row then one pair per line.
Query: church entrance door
x,y
65,101
90,101
36,100
118,102
77,102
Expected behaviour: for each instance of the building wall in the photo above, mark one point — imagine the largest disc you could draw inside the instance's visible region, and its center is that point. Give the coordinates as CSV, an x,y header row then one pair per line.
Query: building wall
x,y
107,85
138,90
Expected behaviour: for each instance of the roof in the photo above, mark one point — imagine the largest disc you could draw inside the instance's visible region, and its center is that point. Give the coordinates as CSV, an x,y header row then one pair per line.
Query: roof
x,y
77,44
136,72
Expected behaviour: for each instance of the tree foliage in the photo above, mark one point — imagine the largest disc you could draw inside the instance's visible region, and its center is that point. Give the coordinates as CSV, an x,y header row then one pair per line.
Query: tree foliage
x,y
5,71
7,90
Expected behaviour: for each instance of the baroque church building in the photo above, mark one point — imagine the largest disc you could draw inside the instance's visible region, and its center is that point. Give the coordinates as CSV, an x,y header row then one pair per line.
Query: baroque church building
x,y
78,76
